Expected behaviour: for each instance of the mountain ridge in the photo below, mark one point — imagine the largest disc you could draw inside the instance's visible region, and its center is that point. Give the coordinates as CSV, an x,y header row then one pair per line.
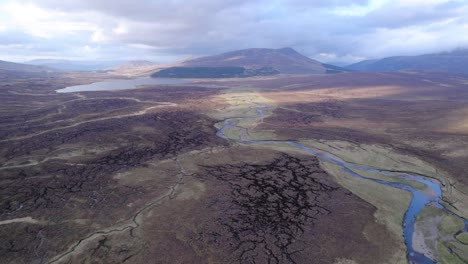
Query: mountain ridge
x,y
20,67
74,65
285,60
455,61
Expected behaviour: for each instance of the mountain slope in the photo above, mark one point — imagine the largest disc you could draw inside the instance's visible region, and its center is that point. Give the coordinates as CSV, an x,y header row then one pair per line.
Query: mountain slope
x,y
133,64
285,60
71,65
213,72
19,67
455,61
19,70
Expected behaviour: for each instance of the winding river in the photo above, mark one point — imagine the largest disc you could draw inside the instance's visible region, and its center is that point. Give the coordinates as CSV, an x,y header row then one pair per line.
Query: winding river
x,y
420,199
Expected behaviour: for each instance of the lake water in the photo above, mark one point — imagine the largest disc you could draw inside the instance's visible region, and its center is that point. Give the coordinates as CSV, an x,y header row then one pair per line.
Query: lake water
x,y
120,84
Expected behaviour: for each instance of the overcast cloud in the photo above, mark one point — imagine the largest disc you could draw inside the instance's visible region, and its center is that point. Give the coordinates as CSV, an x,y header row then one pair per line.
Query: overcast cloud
x,y
331,31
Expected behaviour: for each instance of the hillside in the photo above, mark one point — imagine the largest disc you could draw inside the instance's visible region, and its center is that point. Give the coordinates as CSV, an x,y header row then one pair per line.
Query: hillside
x,y
285,60
19,67
19,70
213,72
455,61
74,65
133,64
136,67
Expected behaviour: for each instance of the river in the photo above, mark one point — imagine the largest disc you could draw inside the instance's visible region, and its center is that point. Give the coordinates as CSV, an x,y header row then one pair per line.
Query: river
x,y
420,199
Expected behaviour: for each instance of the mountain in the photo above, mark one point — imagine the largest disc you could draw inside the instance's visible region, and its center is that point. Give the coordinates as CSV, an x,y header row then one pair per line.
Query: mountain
x,y
71,65
455,61
213,72
13,68
19,67
285,60
139,68
132,65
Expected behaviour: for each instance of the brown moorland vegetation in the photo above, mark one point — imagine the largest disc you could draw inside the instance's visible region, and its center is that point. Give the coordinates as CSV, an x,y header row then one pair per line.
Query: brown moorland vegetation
x,y
132,175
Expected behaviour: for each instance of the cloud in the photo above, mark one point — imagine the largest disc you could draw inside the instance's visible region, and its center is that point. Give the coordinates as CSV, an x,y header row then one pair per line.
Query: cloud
x,y
399,14
345,30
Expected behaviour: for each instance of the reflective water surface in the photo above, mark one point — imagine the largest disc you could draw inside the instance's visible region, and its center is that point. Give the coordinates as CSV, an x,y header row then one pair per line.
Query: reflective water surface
x,y
120,84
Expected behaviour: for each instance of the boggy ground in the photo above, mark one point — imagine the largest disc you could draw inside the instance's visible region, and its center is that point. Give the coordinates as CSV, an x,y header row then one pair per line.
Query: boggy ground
x,y
137,175
234,207
289,211
421,113
60,152
396,121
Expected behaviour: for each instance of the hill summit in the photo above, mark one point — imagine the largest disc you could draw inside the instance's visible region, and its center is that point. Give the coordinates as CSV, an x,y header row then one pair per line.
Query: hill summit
x,y
453,61
284,60
19,67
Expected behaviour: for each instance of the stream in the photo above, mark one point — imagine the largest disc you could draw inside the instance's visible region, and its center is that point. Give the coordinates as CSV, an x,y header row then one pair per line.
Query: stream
x,y
420,199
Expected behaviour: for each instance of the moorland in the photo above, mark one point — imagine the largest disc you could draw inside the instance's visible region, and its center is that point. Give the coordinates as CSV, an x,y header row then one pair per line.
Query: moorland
x,y
202,172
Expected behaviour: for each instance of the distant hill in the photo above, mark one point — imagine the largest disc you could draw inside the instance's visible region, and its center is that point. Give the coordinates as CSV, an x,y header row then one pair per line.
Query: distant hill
x,y
134,64
72,65
455,61
19,67
19,70
285,60
213,72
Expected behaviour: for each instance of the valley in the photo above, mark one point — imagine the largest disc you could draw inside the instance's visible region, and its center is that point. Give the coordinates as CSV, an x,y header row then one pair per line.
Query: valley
x,y
233,132
208,171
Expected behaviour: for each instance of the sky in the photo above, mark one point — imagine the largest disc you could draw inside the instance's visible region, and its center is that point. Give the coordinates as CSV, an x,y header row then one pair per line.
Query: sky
x,y
333,31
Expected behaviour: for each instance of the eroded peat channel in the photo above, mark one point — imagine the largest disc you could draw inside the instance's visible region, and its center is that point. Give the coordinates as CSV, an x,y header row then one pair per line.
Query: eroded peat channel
x,y
215,173
236,129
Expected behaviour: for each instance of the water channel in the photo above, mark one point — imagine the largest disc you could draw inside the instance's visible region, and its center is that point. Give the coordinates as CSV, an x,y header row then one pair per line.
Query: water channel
x,y
420,199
